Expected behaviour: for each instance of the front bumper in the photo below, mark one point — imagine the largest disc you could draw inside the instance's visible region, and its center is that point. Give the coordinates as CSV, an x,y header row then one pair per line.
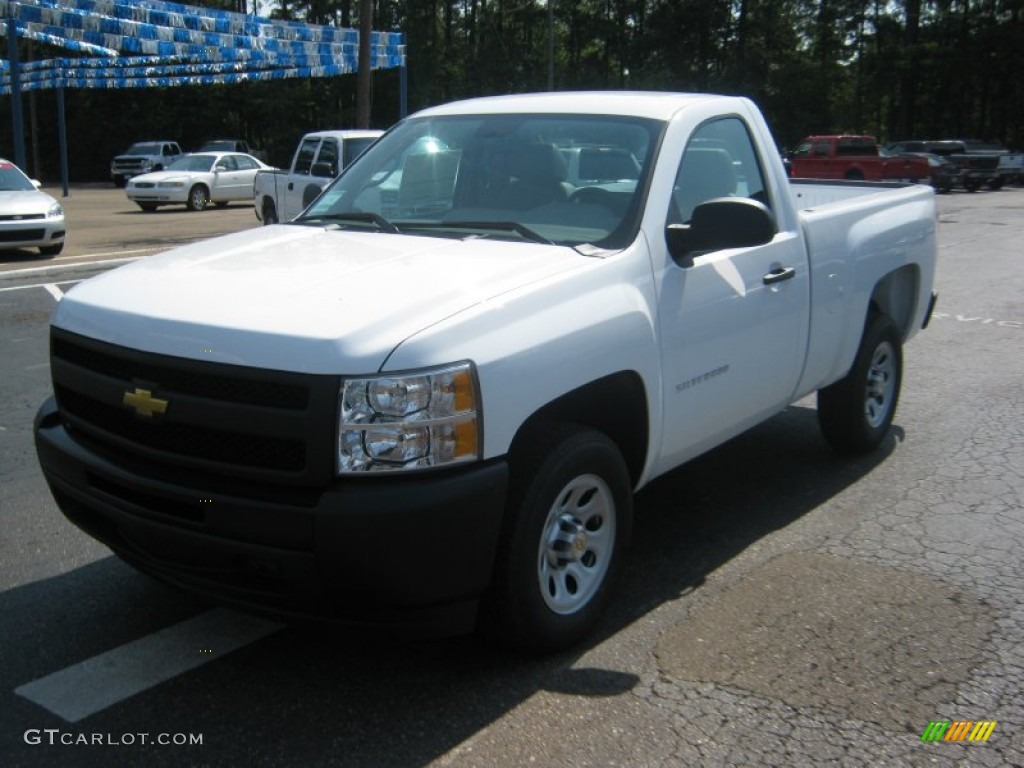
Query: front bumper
x,y
413,552
31,233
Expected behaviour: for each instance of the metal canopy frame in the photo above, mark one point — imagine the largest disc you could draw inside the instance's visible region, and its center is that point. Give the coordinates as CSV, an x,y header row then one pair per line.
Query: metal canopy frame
x,y
152,44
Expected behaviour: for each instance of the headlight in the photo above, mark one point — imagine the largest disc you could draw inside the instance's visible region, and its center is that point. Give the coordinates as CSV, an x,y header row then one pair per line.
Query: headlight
x,y
414,420
55,211
168,184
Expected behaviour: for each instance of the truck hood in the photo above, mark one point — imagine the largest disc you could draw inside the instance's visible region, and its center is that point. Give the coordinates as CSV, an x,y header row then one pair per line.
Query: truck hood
x,y
300,298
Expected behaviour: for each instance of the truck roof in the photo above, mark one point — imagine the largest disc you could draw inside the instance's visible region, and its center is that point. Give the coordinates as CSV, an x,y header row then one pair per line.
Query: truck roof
x,y
653,104
346,133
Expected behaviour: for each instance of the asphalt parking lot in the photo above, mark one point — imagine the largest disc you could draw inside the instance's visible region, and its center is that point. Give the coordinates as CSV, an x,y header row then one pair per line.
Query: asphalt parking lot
x,y
779,606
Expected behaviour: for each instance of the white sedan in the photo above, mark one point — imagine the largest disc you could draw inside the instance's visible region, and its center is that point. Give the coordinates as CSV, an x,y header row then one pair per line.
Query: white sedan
x,y
196,180
29,218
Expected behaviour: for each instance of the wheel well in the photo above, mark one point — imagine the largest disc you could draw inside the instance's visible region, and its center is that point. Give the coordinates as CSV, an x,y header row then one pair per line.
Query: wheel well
x,y
895,295
615,405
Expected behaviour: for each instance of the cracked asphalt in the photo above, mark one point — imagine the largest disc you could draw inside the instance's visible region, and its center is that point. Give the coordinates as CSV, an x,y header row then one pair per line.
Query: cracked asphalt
x,y
779,606
893,601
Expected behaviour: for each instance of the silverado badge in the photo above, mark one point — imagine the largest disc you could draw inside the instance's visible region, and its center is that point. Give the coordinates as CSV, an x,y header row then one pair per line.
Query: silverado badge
x,y
143,403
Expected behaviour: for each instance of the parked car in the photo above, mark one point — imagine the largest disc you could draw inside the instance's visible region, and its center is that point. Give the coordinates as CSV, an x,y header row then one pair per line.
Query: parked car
x,y
980,164
440,417
143,157
197,180
282,194
945,174
854,158
29,218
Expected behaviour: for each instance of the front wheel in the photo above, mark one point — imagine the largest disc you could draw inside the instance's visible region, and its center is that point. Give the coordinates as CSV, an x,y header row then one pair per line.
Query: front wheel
x,y
570,508
51,250
198,197
856,412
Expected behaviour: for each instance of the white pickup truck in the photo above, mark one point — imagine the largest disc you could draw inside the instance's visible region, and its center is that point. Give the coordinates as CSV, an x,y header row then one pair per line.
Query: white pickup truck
x,y
319,158
428,400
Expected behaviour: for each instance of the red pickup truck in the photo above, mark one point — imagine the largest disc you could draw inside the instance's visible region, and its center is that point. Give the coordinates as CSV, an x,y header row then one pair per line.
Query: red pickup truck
x,y
856,158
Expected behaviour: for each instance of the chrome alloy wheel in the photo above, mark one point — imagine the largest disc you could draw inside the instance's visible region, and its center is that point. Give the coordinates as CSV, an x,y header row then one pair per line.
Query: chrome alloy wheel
x,y
576,545
881,384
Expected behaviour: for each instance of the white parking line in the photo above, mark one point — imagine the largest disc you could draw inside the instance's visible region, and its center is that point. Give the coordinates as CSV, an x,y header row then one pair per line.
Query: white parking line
x,y
76,264
47,286
54,291
92,685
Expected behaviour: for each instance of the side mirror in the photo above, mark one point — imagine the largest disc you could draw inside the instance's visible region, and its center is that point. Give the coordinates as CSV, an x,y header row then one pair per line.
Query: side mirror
x,y
323,170
724,222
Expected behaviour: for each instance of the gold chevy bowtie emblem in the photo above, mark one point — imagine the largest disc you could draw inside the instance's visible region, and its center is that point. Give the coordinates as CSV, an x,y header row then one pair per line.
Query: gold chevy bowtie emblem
x,y
143,403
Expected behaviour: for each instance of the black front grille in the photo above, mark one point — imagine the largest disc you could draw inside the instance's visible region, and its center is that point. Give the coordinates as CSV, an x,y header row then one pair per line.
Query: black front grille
x,y
186,381
186,441
16,235
144,185
264,425
23,217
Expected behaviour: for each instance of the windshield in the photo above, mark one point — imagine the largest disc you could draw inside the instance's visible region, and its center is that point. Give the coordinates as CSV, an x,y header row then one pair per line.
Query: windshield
x,y
192,163
353,148
565,179
13,180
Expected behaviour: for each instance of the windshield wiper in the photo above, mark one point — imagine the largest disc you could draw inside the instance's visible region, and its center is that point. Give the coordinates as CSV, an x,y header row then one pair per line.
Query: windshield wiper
x,y
365,218
501,226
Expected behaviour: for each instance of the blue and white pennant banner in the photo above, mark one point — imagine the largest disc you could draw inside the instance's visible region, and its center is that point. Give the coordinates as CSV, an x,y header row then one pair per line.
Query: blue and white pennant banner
x,y
181,45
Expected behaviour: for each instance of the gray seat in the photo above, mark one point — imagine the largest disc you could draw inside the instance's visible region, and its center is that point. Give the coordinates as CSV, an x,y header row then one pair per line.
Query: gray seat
x,y
537,176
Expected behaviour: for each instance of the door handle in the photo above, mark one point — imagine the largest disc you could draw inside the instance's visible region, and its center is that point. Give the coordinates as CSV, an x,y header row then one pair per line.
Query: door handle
x,y
779,274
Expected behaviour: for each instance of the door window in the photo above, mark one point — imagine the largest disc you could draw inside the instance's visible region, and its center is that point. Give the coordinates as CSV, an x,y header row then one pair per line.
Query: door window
x,y
304,159
719,161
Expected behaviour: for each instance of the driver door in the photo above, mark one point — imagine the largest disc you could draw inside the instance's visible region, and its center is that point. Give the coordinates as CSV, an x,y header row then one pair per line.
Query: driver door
x,y
734,323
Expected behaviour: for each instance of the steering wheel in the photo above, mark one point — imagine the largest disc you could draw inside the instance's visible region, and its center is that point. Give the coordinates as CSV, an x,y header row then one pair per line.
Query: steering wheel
x,y
591,196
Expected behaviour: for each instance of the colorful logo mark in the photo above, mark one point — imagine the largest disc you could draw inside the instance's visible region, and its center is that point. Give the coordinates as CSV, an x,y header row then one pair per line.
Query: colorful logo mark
x,y
958,730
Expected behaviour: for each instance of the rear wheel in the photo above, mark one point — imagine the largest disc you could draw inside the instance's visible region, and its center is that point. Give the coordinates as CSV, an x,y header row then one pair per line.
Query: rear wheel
x,y
269,213
854,176
198,197
570,507
856,412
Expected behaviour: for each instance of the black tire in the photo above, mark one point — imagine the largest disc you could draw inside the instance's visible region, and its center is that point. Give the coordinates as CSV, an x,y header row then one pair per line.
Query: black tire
x,y
569,510
120,181
221,203
856,412
51,250
148,207
269,213
854,176
198,197
972,186
996,184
